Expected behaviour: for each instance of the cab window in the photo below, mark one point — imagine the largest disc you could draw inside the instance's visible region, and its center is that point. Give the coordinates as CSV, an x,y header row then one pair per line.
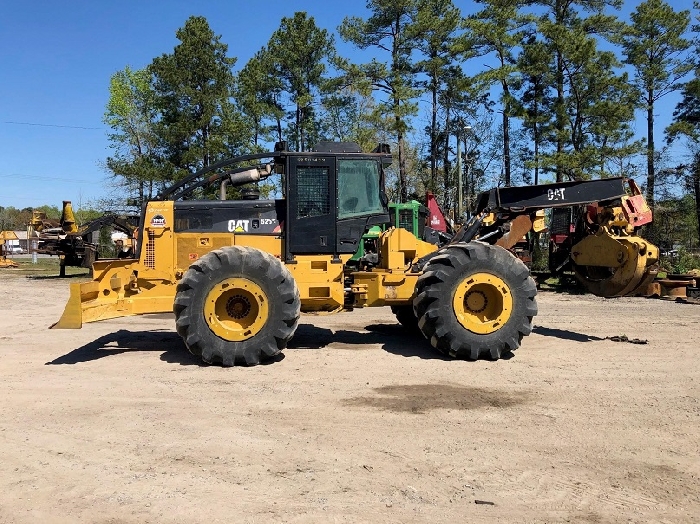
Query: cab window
x,y
358,188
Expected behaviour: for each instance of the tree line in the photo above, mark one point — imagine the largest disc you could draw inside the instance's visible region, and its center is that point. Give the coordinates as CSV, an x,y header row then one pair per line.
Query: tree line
x,y
14,219
527,92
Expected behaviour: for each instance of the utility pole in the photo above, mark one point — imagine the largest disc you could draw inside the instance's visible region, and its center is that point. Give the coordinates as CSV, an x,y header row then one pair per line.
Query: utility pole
x,y
460,203
461,130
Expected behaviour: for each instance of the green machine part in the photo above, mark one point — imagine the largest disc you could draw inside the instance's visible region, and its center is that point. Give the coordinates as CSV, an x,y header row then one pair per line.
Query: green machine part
x,y
372,234
408,215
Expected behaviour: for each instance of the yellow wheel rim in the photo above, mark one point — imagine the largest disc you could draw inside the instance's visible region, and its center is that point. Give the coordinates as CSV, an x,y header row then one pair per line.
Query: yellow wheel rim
x,y
236,309
482,303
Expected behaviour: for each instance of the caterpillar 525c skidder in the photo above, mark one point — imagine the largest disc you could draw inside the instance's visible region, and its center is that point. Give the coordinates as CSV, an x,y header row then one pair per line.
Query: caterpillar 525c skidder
x,y
238,273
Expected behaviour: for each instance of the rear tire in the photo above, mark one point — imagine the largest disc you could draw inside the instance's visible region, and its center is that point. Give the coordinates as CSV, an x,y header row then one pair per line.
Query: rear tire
x,y
475,300
406,317
236,306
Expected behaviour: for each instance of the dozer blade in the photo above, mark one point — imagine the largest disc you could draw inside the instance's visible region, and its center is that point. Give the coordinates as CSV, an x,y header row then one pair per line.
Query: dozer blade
x,y
617,266
115,293
72,317
90,302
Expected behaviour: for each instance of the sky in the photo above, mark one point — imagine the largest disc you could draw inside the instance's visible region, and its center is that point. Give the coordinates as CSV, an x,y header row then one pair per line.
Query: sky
x,y
56,59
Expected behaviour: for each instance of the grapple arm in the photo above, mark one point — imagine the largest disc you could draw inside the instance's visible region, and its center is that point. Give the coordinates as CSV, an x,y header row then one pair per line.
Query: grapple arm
x,y
604,250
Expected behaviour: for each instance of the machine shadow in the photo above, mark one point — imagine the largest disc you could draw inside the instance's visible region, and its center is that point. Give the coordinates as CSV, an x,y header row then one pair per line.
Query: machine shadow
x,y
564,334
169,343
394,339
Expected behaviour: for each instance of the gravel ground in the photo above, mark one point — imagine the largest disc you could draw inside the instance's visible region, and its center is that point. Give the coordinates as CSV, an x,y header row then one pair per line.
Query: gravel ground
x,y
359,422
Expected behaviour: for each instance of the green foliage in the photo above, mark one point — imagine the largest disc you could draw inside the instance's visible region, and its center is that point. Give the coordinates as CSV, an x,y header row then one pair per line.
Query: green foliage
x,y
686,116
437,23
540,255
686,125
686,262
131,114
297,53
680,262
390,28
654,45
561,102
350,116
258,93
499,29
675,223
105,247
592,106
192,87
535,67
568,37
459,99
13,219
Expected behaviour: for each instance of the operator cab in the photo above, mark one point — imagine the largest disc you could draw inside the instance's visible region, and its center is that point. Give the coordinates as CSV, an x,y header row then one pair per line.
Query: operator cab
x,y
334,195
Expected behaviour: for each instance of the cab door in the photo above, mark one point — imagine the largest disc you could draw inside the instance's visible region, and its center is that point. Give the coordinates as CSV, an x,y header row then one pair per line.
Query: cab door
x,y
311,209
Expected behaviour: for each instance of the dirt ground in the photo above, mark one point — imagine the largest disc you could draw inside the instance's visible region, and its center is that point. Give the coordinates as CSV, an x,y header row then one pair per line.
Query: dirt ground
x,y
359,422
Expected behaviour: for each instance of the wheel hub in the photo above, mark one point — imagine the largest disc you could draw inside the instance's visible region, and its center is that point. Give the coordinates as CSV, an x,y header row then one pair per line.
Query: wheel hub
x,y
236,309
482,303
476,301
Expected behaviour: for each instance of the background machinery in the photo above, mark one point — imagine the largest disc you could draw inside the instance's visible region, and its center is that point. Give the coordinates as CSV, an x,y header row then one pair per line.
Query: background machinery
x,y
73,244
598,244
4,249
238,273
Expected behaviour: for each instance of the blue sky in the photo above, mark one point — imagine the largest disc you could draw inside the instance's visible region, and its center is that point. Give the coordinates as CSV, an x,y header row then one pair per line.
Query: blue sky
x,y
57,59
56,62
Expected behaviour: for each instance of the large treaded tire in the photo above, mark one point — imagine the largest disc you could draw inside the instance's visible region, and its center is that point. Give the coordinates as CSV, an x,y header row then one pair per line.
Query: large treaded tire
x,y
278,289
453,268
406,317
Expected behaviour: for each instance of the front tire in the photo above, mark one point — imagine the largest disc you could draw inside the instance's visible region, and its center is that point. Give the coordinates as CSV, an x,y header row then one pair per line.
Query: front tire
x,y
236,306
475,300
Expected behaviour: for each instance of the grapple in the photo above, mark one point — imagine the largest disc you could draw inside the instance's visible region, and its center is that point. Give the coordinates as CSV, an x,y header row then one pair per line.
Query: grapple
x,y
610,265
597,238
613,261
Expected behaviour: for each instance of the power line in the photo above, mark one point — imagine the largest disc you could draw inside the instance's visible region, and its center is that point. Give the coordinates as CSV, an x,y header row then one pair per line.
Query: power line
x,y
45,177
51,125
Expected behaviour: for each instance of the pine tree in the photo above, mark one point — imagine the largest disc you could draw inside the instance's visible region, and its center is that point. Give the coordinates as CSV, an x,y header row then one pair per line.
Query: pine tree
x,y
192,86
654,45
258,92
686,125
388,29
297,52
458,99
436,27
535,67
563,29
498,29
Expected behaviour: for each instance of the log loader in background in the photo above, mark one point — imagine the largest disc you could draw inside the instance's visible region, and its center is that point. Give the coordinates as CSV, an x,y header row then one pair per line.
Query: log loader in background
x,y
238,273
71,243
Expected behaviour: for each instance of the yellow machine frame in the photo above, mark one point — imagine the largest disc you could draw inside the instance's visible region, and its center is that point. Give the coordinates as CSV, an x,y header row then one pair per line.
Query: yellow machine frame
x,y
148,284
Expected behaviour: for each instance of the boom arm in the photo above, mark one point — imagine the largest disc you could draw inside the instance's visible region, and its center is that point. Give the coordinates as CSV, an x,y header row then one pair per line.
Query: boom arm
x,y
606,254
